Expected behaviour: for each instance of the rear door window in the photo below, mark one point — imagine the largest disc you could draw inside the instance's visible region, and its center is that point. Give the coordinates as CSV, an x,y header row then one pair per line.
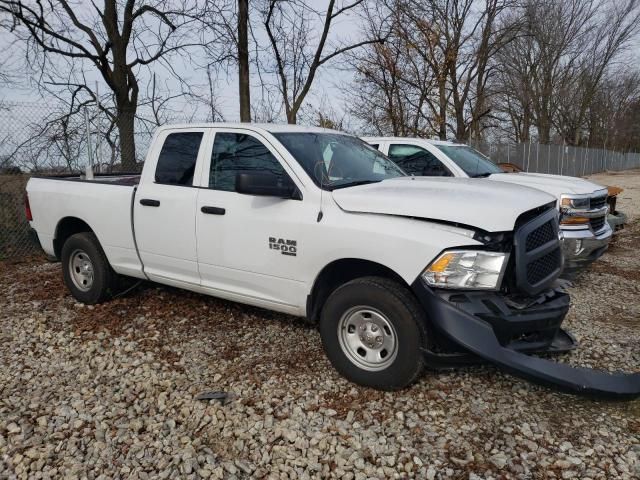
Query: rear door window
x,y
177,160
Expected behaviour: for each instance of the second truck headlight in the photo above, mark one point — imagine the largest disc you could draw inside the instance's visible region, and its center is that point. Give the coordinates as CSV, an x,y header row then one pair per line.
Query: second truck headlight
x,y
570,208
467,269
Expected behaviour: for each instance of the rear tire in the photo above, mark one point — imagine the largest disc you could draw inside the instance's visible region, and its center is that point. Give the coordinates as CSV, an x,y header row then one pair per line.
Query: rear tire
x,y
86,270
373,330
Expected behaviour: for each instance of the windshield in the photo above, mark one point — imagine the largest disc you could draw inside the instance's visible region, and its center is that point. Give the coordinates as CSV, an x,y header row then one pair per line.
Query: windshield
x,y
335,161
471,161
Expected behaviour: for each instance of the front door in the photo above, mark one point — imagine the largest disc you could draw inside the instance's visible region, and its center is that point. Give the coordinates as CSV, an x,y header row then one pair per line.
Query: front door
x,y
249,247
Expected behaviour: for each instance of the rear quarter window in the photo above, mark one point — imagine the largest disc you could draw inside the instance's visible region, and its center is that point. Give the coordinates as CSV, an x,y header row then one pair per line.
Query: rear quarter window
x,y
177,160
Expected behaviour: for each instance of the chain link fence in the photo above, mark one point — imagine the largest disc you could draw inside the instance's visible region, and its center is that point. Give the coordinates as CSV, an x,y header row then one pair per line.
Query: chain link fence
x,y
559,159
56,139
16,240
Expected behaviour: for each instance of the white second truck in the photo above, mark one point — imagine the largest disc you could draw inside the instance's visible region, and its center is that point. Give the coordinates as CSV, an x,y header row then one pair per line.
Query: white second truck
x,y
582,204
398,272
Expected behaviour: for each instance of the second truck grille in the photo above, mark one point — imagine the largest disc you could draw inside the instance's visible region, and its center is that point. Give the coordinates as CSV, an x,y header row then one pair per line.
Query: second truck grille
x,y
598,202
597,223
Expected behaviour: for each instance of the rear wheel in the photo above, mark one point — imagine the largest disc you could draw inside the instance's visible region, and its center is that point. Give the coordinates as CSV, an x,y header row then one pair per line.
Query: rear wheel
x,y
86,270
372,330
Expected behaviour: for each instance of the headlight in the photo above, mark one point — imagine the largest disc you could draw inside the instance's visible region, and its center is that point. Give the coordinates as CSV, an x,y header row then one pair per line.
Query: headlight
x,y
577,203
468,269
569,210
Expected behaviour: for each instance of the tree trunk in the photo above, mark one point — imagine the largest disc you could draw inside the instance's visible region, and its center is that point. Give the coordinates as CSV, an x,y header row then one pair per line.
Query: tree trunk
x,y
442,114
243,61
292,116
475,129
462,133
544,130
526,124
125,123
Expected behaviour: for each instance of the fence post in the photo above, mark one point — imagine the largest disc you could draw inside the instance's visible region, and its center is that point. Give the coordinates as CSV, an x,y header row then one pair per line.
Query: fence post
x,y
88,135
561,159
98,146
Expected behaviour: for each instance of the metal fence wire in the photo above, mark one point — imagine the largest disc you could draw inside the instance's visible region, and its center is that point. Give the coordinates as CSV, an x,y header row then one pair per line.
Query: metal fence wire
x,y
559,159
52,139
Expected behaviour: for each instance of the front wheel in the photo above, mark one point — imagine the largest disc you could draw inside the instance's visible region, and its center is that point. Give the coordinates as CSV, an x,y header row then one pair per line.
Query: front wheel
x,y
372,330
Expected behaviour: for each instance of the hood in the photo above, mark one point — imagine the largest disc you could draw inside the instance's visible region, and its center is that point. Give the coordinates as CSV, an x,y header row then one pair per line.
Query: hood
x,y
490,206
556,185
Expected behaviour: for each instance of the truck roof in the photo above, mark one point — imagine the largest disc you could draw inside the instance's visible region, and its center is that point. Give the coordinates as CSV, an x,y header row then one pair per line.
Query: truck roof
x,y
397,139
255,127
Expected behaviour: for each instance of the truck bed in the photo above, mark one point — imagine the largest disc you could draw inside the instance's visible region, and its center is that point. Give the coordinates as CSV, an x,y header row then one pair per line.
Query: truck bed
x,y
104,204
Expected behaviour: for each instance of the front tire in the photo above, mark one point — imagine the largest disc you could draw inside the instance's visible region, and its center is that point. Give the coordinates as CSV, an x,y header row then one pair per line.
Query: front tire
x,y
86,270
372,330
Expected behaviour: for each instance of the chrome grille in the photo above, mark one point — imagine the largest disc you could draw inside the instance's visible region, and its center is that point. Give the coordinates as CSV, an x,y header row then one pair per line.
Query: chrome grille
x,y
597,223
598,202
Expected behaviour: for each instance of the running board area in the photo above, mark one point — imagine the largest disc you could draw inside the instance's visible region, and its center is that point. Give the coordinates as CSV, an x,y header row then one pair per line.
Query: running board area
x,y
477,336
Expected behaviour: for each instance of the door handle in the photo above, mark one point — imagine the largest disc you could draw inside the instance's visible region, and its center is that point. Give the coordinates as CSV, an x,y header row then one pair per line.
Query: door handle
x,y
148,202
213,210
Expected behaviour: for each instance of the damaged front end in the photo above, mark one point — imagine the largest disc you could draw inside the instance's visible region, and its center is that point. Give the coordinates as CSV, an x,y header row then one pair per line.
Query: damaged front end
x,y
505,327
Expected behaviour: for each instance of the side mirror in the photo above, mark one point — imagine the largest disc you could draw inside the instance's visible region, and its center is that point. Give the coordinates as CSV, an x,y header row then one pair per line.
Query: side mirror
x,y
267,185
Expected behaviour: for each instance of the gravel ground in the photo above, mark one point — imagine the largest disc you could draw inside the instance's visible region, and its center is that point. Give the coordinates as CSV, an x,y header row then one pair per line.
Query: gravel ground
x,y
109,391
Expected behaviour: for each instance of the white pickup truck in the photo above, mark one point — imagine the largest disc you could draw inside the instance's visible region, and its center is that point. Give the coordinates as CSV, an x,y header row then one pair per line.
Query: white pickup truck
x,y
399,272
582,204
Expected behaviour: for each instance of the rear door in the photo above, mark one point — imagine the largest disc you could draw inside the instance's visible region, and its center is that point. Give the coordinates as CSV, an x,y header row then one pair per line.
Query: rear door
x,y
249,247
165,205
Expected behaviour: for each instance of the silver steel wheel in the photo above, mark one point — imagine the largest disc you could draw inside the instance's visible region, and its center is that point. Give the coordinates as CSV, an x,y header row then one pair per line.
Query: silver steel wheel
x,y
368,338
81,270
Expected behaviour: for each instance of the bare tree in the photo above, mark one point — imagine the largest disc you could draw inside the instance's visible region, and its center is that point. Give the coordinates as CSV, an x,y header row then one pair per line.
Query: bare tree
x,y
464,41
431,75
290,29
392,91
244,87
614,112
609,36
429,34
117,39
549,74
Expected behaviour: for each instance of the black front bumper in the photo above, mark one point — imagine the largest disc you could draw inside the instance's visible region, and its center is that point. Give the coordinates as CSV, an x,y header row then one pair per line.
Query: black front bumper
x,y
528,325
502,330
